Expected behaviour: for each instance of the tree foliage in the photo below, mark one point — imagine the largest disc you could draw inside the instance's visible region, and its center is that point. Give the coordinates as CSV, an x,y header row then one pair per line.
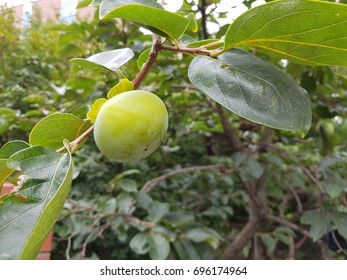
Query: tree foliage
x,y
253,165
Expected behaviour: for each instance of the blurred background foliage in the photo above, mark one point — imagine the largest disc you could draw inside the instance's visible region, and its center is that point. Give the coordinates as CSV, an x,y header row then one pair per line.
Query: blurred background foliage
x,y
188,200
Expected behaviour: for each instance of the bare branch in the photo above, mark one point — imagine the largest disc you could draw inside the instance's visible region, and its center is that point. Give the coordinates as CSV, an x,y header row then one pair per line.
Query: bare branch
x,y
241,239
152,183
297,199
153,54
291,251
68,248
338,243
289,225
258,209
229,132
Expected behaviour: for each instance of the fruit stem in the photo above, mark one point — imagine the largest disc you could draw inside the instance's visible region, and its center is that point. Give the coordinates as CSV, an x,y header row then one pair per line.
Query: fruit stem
x,y
213,44
216,53
120,73
199,50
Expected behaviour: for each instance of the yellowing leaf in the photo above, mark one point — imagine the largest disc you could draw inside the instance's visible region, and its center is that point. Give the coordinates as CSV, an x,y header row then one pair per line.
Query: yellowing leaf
x,y
123,86
94,110
193,25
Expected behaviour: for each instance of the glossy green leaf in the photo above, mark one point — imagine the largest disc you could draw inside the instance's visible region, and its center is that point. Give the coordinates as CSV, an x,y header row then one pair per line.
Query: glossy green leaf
x,y
156,210
178,219
318,221
111,60
32,212
143,58
34,98
152,17
52,130
143,199
329,161
139,244
83,3
214,43
5,172
269,241
12,147
166,232
340,222
306,32
282,237
203,234
95,3
252,169
110,206
113,183
7,116
159,246
253,89
123,86
334,185
128,185
94,110
186,249
285,230
109,5
125,203
5,152
193,24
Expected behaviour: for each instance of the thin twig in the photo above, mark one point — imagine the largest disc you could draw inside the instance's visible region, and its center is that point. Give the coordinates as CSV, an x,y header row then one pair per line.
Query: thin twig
x,y
213,44
289,225
283,205
152,183
199,50
75,143
338,243
297,199
84,245
304,168
241,240
301,242
68,248
126,217
228,130
291,251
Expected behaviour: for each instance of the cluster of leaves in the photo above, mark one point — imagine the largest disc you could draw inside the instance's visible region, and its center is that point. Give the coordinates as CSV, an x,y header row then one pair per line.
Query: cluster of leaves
x,y
218,168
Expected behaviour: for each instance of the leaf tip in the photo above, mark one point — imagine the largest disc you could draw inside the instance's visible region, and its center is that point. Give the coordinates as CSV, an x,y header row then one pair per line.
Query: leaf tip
x,y
67,145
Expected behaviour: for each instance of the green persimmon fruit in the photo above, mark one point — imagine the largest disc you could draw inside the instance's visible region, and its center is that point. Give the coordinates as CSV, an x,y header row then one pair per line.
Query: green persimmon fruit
x,y
329,129
131,125
326,128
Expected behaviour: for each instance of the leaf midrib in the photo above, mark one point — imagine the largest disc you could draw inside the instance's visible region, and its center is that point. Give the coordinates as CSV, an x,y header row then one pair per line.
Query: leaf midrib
x,y
42,202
